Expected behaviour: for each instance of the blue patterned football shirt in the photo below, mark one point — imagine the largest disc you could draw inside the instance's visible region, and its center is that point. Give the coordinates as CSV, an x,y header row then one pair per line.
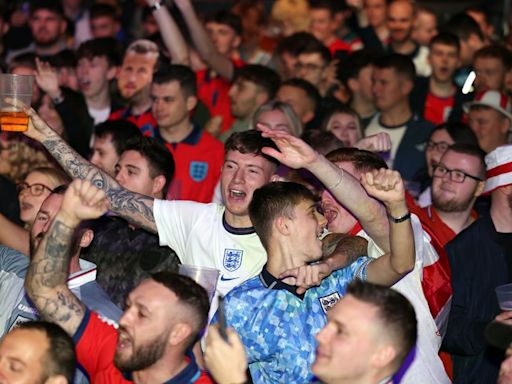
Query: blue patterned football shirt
x,y
278,327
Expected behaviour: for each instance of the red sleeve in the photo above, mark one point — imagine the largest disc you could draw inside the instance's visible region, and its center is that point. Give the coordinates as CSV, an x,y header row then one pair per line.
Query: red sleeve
x,y
95,342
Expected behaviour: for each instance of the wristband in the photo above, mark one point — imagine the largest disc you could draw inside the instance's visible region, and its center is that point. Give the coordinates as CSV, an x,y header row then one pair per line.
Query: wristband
x,y
156,6
400,219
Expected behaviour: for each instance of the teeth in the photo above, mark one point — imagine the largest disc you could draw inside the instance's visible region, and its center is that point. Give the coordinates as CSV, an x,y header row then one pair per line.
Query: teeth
x,y
323,233
236,193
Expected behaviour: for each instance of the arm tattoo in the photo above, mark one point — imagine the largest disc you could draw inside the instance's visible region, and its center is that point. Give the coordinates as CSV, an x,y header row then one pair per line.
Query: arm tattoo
x,y
46,280
133,207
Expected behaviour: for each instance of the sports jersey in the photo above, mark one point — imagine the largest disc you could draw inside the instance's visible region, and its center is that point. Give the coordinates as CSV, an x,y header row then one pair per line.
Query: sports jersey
x,y
278,327
200,236
96,340
198,161
212,90
426,368
437,109
145,121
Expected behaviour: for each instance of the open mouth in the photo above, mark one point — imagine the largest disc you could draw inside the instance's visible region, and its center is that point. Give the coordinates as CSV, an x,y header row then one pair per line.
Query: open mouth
x,y
237,194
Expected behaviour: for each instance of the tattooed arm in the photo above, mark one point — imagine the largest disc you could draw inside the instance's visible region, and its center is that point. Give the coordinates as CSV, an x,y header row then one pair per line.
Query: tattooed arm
x,y
46,280
132,206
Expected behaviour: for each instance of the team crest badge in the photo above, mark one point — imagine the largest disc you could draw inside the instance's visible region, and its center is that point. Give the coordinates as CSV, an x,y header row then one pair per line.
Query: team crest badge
x,y
232,259
327,302
198,170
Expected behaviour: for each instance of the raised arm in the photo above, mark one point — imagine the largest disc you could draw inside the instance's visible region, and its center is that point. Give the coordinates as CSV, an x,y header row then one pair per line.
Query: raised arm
x,y
203,43
46,280
171,34
295,153
387,186
132,206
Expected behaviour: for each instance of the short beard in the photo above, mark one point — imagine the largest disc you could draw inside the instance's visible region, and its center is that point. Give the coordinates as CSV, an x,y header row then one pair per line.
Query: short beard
x,y
451,205
143,356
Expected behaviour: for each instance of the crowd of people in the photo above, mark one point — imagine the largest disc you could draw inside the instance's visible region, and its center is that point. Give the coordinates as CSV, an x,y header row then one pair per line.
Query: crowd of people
x,y
345,166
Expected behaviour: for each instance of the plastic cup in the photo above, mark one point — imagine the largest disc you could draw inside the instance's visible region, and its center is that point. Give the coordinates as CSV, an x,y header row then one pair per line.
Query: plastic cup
x,y
204,276
19,89
504,295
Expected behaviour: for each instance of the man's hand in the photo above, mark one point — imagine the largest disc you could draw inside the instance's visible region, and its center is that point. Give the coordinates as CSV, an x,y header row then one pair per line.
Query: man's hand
x,y
381,142
37,127
83,201
293,152
47,79
308,276
385,185
226,361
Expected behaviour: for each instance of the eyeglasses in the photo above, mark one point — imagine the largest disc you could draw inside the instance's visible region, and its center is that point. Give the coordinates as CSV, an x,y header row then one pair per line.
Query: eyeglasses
x,y
439,146
36,189
308,66
455,175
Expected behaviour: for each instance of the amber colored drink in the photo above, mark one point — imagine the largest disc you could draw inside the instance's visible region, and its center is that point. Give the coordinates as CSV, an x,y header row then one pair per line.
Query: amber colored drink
x,y
13,121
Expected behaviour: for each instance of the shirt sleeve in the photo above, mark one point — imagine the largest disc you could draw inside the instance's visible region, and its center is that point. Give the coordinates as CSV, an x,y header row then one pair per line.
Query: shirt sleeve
x,y
95,341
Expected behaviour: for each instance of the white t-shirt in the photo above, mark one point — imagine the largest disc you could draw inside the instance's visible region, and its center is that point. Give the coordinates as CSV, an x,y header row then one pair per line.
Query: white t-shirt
x,y
427,367
199,236
99,115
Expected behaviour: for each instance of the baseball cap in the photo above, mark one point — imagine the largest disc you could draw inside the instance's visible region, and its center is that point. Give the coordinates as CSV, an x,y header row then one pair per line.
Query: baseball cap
x,y
493,99
499,168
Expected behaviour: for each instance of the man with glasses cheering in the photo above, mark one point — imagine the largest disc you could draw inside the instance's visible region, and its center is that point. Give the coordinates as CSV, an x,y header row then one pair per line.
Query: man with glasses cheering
x,y
458,179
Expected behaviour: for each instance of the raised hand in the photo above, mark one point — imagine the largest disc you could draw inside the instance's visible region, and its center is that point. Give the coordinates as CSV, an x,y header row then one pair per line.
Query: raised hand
x,y
226,361
381,142
385,185
37,127
47,79
307,276
293,152
83,201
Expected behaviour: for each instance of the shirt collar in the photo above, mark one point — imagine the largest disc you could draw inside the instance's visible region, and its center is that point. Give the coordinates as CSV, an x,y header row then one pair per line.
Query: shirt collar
x,y
271,282
236,231
192,139
86,274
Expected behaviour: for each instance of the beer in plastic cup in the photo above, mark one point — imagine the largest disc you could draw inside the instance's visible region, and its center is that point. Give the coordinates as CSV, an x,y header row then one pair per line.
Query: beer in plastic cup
x,y
204,276
504,295
19,89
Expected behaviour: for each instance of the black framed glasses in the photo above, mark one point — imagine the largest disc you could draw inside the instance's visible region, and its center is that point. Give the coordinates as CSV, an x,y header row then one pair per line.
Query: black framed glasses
x,y
36,189
455,175
439,146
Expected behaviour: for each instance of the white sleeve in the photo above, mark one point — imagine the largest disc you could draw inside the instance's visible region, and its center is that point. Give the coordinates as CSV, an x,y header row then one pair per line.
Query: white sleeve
x,y
174,222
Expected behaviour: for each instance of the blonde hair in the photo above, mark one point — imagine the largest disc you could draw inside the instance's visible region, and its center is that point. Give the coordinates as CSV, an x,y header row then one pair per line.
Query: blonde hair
x,y
295,124
56,177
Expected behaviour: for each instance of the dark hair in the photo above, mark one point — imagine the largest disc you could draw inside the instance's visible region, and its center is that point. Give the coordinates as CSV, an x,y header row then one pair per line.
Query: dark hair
x,y
107,47
23,60
273,200
228,18
250,142
362,160
54,6
401,64
190,294
495,51
445,38
60,358
353,64
333,6
160,160
463,26
314,45
471,150
309,89
322,141
459,132
293,44
394,313
63,59
260,75
180,73
103,10
121,131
